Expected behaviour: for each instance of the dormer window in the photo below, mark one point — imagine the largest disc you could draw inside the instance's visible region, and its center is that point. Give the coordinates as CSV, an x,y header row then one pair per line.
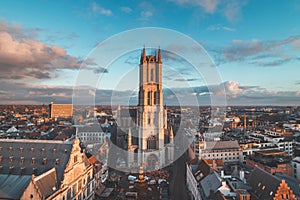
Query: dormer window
x,y
56,161
44,161
22,160
32,149
54,151
33,160
43,150
11,159
21,149
10,149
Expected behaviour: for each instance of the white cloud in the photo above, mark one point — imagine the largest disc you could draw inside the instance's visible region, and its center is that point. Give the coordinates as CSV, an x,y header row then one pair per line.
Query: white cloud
x,y
146,14
24,58
220,27
126,9
101,10
261,53
231,9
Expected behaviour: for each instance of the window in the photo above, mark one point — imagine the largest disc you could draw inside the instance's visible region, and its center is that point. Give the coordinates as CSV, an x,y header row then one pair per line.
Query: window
x,y
152,75
75,159
44,161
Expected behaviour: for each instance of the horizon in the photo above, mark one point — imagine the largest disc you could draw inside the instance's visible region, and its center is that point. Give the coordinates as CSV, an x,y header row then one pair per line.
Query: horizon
x,y
255,53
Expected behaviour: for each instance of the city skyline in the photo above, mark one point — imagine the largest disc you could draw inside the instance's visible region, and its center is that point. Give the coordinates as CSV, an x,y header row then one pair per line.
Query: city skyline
x,y
254,44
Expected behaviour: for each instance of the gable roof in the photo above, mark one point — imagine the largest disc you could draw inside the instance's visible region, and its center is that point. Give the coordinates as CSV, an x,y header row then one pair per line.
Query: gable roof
x,y
264,185
201,170
39,156
210,183
47,182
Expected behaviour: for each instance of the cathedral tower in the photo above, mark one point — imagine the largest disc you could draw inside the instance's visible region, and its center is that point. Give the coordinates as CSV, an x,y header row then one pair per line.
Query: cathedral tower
x,y
151,115
150,109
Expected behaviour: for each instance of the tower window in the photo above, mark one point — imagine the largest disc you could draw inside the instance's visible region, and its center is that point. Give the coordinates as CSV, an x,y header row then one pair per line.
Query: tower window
x,y
149,98
152,75
151,142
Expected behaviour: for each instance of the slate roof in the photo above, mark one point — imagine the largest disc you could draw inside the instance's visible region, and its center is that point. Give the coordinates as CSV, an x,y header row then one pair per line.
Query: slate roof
x,y
264,185
47,182
13,186
17,157
210,183
202,170
218,145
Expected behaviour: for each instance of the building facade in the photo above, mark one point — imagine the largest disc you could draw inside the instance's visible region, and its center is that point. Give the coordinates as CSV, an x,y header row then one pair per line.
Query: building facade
x,y
60,110
58,169
227,151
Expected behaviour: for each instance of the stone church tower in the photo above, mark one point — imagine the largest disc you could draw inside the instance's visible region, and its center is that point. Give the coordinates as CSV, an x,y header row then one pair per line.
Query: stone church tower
x,y
151,114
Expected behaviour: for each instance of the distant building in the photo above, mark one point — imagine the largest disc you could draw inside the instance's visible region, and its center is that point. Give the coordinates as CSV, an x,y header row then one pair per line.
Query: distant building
x,y
227,151
268,187
271,161
43,169
296,167
60,110
91,134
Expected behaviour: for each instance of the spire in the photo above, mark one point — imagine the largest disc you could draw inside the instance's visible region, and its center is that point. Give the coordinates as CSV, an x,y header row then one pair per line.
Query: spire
x,y
159,55
143,55
171,135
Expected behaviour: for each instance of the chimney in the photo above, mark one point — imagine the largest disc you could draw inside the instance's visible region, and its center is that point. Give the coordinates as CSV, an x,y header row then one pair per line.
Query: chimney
x,y
222,173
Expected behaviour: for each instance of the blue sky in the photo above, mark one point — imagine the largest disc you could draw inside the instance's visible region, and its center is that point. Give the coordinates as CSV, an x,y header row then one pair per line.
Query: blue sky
x,y
255,45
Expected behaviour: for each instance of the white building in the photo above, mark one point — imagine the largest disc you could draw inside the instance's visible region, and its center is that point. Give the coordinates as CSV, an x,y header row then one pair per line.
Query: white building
x,y
227,151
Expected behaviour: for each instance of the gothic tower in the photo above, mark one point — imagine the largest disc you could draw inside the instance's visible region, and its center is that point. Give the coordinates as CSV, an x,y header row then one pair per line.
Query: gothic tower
x,y
151,113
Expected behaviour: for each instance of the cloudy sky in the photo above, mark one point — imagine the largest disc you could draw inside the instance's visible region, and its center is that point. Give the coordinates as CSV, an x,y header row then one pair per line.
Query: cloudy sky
x,y
254,44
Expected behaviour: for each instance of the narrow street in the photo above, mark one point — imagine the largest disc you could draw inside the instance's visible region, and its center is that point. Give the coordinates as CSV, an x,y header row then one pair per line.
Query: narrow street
x,y
178,189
